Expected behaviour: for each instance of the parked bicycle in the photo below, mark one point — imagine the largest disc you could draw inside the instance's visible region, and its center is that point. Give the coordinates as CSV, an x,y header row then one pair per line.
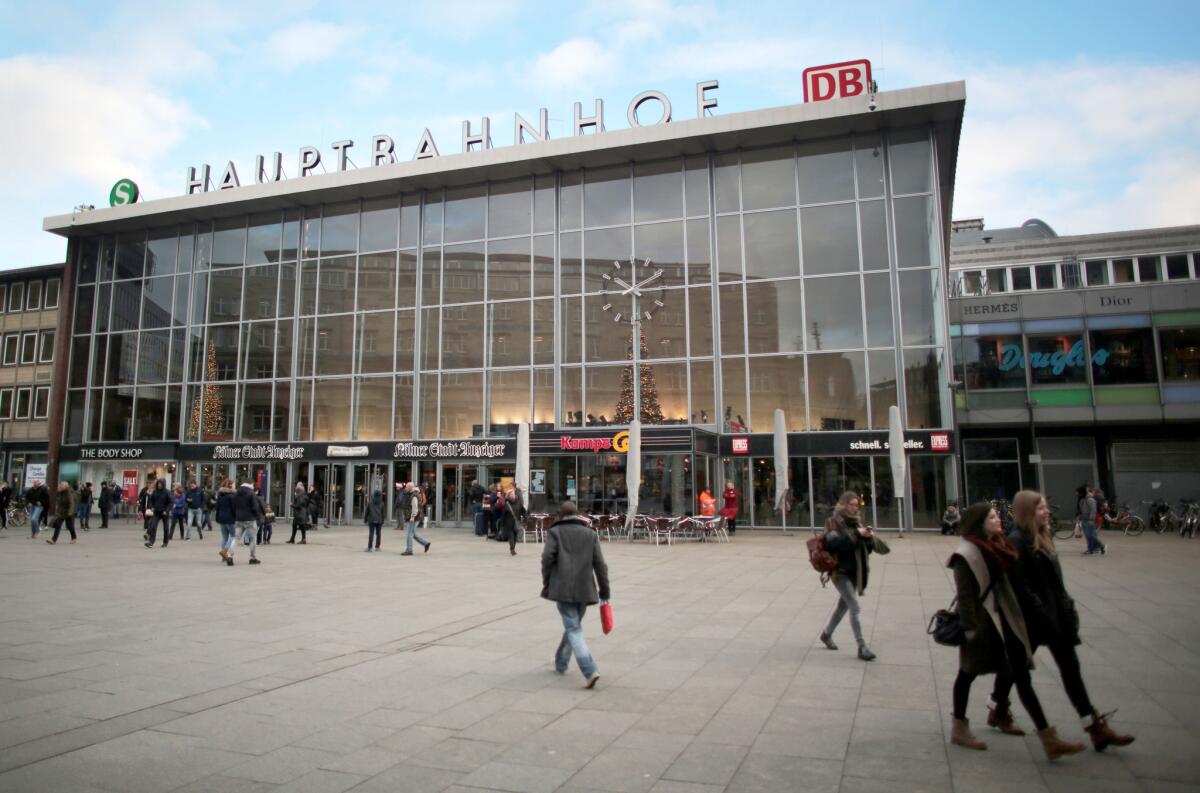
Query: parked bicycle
x,y
1124,520
1162,517
18,514
1191,517
1063,527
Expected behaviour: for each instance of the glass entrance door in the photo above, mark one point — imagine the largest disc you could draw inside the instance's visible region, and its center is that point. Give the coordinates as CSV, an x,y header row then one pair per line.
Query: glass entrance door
x,y
369,478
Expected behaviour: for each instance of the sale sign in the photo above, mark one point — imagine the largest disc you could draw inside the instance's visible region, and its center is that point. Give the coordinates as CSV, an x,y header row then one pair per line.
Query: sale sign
x,y
129,484
837,80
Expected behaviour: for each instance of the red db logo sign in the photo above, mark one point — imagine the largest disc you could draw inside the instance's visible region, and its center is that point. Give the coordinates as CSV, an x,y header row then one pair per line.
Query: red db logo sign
x,y
836,80
939,442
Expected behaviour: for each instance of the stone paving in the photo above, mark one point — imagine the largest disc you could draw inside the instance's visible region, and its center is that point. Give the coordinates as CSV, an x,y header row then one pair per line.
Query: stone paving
x,y
327,669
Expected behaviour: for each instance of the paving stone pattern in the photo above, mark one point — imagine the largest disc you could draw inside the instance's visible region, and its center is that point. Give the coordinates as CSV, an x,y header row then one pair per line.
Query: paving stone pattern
x,y
325,669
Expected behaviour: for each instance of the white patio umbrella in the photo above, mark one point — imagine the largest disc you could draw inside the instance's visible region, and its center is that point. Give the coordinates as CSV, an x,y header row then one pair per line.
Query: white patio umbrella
x,y
899,459
633,470
522,476
782,485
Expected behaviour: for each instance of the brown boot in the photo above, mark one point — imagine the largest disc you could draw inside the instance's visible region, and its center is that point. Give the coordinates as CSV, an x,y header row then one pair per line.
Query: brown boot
x,y
1000,716
1103,736
961,735
1056,747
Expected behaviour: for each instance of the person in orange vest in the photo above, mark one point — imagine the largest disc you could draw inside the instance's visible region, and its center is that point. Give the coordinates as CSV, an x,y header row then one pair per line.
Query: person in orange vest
x,y
708,503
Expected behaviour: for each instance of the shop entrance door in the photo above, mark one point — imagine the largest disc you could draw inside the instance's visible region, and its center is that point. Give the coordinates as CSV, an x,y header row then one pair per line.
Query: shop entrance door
x,y
369,478
453,508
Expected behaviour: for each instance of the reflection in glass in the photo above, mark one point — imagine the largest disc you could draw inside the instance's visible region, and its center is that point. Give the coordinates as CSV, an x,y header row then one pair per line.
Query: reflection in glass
x,y
308,287
262,239
290,250
287,290
872,217
431,276
768,178
657,191
331,419
376,281
161,251
774,322
602,248
571,331
664,385
103,306
336,291
461,341
729,247
570,198
836,391
466,210
704,407
699,253
666,484
376,335
256,412
993,362
462,405
727,174
431,333
131,255
339,229
916,232
157,297
606,196
543,331
404,407
571,263
507,333
1124,355
304,410
305,346
463,274
700,311
226,302
572,397
880,332
771,246
259,297
662,244
868,162
149,413
229,242
406,280
833,313
406,340
666,333
826,172
283,350
732,319
609,395
335,335
912,165
508,401
830,239
733,395
373,408
543,203
777,382
1180,352
258,350
508,208
882,365
380,223
410,219
220,412
919,316
695,178
118,414
507,269
543,399
924,388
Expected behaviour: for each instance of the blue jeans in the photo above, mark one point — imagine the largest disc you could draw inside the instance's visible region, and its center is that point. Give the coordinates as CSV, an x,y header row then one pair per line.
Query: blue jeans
x,y
228,537
572,640
35,514
194,519
411,527
1092,534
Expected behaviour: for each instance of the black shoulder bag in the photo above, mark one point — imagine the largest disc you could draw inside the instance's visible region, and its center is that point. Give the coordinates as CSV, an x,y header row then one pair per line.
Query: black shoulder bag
x,y
945,626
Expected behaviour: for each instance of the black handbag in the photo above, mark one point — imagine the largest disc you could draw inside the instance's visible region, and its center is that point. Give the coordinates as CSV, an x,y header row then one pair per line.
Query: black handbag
x,y
945,626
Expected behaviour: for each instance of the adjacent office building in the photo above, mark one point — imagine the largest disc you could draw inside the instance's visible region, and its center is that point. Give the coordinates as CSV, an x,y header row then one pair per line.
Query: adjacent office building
x,y
398,321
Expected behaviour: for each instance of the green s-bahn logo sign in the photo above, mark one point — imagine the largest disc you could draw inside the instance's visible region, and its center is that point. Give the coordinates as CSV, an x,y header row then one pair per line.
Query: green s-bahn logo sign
x,y
122,193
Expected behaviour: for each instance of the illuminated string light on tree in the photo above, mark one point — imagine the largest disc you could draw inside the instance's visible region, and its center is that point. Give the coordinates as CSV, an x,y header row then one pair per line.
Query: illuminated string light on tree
x,y
651,412
213,415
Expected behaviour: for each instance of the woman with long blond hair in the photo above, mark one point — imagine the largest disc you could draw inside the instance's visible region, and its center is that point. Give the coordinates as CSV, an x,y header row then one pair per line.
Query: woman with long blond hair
x,y
1051,617
851,540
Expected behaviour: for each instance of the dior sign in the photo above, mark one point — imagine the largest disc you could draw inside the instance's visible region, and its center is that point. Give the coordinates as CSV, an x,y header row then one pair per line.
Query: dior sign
x,y
382,149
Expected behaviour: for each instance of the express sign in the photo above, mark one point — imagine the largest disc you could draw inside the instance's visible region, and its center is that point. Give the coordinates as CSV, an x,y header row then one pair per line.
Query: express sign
x,y
837,80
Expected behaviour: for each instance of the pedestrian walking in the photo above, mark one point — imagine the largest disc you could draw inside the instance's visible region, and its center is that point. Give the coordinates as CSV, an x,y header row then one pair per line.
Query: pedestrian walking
x,y
1050,617
159,505
1089,512
105,503
195,510
730,507
399,505
574,576
210,504
268,523
5,500
86,499
316,504
248,512
178,513
512,515
64,512
300,514
489,510
476,494
708,503
995,637
37,498
373,516
227,520
852,541
415,512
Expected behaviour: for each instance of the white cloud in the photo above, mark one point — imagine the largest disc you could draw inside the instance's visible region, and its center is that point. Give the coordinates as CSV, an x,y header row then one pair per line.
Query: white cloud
x,y
307,42
575,63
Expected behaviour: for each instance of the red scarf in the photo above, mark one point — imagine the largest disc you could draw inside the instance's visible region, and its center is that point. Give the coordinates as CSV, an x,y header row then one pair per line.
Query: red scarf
x,y
997,553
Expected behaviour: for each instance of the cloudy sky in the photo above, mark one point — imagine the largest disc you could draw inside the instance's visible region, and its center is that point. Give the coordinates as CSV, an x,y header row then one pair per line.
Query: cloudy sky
x,y
1084,114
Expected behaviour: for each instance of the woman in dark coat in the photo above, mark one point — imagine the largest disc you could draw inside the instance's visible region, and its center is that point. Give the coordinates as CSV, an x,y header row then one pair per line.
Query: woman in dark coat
x,y
373,517
996,640
851,540
105,503
729,509
512,514
300,513
1050,615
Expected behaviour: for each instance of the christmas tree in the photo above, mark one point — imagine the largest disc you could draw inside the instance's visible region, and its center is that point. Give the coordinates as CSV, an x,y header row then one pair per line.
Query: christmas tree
x,y
214,412
651,412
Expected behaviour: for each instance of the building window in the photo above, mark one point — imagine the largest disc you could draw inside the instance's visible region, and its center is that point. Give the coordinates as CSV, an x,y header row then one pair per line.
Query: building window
x,y
33,296
6,402
996,280
29,348
1045,276
1070,275
1057,360
1123,356
973,282
24,395
1148,268
993,362
1177,267
3,297
16,296
993,469
1122,271
52,287
41,402
1097,273
1180,353
46,352
11,343
1020,279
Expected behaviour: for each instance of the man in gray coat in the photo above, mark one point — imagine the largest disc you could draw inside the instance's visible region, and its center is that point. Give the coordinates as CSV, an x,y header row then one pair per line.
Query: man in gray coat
x,y
572,564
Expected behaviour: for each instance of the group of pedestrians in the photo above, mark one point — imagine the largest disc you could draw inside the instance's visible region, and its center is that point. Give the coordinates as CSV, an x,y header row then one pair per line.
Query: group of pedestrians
x,y
1011,599
409,511
498,513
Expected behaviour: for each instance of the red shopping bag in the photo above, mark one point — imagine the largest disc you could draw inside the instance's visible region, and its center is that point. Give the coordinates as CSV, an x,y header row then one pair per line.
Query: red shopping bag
x,y
606,617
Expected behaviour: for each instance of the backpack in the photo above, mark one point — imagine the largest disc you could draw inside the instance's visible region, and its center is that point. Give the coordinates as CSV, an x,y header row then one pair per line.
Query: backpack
x,y
821,559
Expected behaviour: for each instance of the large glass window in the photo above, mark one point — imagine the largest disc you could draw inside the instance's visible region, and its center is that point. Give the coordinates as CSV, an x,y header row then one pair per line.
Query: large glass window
x,y
912,161
662,245
774,321
768,178
1180,353
466,210
380,224
508,401
1123,356
335,336
657,191
462,405
771,247
463,271
830,239
606,196
376,281
882,365
916,232
373,409
733,339
507,270
704,410
609,393
331,419
666,333
924,388
461,342
1057,360
339,229
837,392
701,320
833,313
508,208
256,412
826,171
993,362
149,411
777,382
262,283
507,333
335,292
376,334
664,385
